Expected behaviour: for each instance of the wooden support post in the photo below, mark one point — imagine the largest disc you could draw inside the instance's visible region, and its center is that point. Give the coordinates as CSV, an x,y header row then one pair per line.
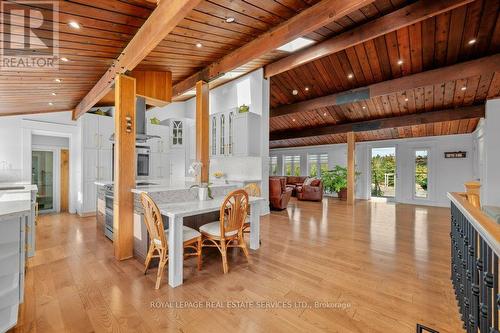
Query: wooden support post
x,y
351,164
202,135
124,180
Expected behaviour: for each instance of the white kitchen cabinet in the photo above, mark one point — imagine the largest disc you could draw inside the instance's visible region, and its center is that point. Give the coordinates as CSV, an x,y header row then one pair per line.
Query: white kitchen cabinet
x,y
235,134
106,129
160,166
177,165
90,133
177,133
97,158
90,164
246,134
105,165
158,145
89,197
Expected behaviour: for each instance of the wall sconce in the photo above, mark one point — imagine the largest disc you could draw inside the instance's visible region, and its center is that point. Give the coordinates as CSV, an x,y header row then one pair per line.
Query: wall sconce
x,y
128,127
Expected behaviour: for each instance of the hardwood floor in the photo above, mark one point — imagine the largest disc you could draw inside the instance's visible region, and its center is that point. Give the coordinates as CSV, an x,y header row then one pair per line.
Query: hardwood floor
x,y
387,265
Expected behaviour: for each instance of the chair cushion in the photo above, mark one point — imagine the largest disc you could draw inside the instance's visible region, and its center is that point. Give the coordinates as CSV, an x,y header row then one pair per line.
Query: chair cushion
x,y
315,182
213,229
187,234
308,181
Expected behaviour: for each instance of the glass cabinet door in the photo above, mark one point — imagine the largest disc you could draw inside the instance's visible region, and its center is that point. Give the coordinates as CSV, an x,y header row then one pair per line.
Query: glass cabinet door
x,y
42,175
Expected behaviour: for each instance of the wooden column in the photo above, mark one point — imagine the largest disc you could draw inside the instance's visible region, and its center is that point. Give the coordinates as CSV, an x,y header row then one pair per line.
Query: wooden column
x,y
351,164
202,135
125,165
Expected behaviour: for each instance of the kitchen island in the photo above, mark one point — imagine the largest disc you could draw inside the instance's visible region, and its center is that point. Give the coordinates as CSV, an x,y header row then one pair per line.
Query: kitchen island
x,y
16,243
162,192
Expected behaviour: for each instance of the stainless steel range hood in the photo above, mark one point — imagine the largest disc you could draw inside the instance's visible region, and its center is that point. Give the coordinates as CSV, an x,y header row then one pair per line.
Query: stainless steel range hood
x,y
140,122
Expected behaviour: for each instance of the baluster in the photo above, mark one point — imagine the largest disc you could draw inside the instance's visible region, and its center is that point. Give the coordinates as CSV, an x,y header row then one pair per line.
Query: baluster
x,y
483,326
473,319
488,281
496,303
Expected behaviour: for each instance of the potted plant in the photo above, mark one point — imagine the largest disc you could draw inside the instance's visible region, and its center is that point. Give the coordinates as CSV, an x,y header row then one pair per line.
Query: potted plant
x,y
336,181
243,108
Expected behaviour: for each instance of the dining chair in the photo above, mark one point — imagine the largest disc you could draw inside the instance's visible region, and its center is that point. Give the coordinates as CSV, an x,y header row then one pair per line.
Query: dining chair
x,y
228,231
253,190
159,237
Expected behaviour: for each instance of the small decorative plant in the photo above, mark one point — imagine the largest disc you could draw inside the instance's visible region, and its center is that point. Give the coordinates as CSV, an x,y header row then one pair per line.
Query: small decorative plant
x,y
155,121
335,180
244,108
218,174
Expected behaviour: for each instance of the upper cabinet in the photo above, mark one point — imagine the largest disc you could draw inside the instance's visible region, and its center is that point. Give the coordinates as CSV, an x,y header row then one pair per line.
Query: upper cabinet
x,y
177,135
158,145
235,134
96,131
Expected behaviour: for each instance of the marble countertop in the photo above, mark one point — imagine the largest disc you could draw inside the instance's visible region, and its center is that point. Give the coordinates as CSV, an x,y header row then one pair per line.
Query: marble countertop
x,y
162,187
27,187
14,202
190,208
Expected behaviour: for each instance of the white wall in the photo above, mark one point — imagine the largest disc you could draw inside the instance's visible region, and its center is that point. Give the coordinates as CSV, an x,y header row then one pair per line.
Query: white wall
x,y
251,89
444,174
16,142
51,141
490,166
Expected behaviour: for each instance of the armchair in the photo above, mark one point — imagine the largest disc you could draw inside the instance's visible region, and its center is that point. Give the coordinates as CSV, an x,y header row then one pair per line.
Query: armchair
x,y
311,191
279,193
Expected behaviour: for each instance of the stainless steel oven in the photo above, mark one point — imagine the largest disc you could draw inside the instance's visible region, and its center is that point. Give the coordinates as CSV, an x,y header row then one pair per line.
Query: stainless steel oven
x,y
108,218
142,157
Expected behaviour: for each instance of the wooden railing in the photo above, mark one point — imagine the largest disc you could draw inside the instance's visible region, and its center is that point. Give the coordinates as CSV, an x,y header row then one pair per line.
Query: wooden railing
x,y
475,248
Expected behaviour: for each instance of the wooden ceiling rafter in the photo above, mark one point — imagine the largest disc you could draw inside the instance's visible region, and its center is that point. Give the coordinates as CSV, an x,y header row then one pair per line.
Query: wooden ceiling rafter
x,y
473,68
299,25
467,112
406,16
159,24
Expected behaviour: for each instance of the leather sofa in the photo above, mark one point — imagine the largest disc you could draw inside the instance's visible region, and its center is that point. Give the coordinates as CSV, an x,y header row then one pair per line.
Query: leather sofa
x,y
294,181
279,193
310,192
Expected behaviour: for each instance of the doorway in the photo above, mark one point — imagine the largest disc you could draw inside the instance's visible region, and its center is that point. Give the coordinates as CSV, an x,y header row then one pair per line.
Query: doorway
x,y
383,172
42,175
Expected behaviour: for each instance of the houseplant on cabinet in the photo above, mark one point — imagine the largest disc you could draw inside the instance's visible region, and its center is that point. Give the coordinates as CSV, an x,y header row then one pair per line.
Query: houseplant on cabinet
x,y
336,181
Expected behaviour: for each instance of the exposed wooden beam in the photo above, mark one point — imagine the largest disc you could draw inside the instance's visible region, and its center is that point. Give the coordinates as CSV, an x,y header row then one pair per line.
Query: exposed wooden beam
x,y
17,112
202,135
351,164
468,112
154,86
483,66
123,203
301,24
158,25
403,17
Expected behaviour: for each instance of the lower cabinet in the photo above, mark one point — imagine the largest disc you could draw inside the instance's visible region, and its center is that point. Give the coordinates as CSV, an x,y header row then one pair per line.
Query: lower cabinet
x,y
12,266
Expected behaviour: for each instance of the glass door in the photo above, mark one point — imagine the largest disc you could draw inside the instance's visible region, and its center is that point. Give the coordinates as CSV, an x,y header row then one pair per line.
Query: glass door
x,y
383,172
42,175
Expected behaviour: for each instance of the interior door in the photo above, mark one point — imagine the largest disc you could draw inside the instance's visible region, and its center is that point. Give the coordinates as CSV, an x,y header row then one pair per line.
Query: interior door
x,y
64,180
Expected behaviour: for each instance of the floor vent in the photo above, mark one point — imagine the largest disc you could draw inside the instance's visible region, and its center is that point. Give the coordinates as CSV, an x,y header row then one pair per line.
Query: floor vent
x,y
424,329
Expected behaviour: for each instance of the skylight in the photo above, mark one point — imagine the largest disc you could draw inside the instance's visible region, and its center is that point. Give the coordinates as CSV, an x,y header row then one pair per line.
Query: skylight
x,y
296,44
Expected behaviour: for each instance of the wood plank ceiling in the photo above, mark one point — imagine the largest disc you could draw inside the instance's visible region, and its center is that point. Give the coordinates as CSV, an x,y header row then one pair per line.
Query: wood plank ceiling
x,y
436,42
108,25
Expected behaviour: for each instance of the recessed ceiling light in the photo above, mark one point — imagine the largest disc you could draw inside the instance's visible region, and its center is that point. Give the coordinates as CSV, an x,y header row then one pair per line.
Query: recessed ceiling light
x,y
324,114
400,62
50,103
74,25
293,119
350,76
463,88
296,44
295,92
199,45
472,41
230,19
406,99
64,59
58,80
53,94
306,88
364,107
